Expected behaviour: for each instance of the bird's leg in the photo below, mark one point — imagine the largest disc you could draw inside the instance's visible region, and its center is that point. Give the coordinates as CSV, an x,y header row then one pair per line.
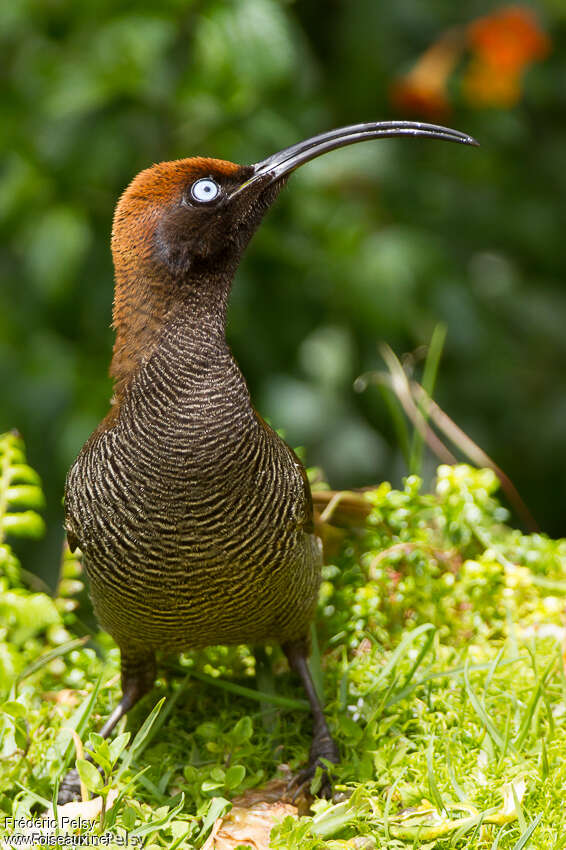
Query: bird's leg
x,y
323,745
138,676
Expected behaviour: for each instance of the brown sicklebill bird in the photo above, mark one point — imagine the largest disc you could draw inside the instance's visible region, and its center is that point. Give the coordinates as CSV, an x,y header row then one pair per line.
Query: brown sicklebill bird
x,y
194,517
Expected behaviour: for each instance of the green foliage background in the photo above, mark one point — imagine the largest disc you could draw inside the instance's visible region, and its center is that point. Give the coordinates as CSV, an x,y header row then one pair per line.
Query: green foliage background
x,y
375,242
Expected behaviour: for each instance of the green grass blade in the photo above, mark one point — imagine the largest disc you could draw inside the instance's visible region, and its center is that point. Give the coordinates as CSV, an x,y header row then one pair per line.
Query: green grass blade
x,y
527,833
388,800
149,828
475,824
170,704
399,422
50,656
544,765
506,735
250,693
531,707
78,721
518,809
460,793
428,382
423,652
142,735
434,790
333,820
43,801
503,830
265,683
315,666
404,646
493,668
491,729
439,674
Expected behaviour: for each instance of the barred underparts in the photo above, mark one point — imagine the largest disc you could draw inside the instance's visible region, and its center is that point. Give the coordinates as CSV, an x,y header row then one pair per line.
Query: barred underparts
x,y
194,518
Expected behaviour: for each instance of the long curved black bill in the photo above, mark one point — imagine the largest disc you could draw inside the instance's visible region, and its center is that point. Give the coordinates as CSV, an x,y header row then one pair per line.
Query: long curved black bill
x,y
288,159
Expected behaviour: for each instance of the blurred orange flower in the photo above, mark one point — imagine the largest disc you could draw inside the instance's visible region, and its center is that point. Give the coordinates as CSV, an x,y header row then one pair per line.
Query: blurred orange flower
x,y
504,44
485,86
423,89
509,39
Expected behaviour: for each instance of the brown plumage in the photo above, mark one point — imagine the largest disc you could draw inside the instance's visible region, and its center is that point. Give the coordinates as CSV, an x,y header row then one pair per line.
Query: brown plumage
x,y
193,516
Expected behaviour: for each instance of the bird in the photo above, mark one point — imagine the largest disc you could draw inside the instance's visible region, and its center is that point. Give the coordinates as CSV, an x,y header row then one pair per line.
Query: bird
x,y
193,517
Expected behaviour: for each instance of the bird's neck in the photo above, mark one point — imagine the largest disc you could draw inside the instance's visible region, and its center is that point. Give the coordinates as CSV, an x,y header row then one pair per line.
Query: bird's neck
x,y
186,392
147,305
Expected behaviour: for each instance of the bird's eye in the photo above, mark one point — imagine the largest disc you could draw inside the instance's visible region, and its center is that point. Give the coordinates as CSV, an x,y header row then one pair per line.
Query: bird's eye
x,y
205,190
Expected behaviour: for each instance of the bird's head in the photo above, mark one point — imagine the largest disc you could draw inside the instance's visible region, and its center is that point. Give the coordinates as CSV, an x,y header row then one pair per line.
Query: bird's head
x,y
189,218
180,228
199,212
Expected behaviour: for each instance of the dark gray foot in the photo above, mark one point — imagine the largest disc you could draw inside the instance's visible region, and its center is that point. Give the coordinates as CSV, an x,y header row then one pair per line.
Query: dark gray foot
x,y
323,746
70,788
323,750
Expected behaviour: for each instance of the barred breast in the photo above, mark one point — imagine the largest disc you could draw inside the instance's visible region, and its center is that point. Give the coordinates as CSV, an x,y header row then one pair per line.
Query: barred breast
x,y
193,516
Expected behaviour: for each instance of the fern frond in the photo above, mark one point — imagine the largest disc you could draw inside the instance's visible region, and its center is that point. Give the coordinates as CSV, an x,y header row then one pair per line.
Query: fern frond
x,y
21,495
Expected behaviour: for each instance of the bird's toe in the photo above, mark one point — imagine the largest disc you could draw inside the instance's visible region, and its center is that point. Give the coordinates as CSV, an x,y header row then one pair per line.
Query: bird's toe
x,y
70,788
323,755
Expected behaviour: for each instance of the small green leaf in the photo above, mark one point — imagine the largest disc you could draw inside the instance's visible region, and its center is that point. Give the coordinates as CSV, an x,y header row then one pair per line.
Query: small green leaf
x,y
24,524
435,793
14,709
21,473
117,745
89,775
235,775
481,712
217,774
209,787
243,730
207,730
351,728
218,807
128,817
25,496
100,752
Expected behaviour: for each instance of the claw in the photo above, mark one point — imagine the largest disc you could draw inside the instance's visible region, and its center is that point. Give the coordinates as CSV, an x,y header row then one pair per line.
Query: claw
x,y
70,788
301,784
324,754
